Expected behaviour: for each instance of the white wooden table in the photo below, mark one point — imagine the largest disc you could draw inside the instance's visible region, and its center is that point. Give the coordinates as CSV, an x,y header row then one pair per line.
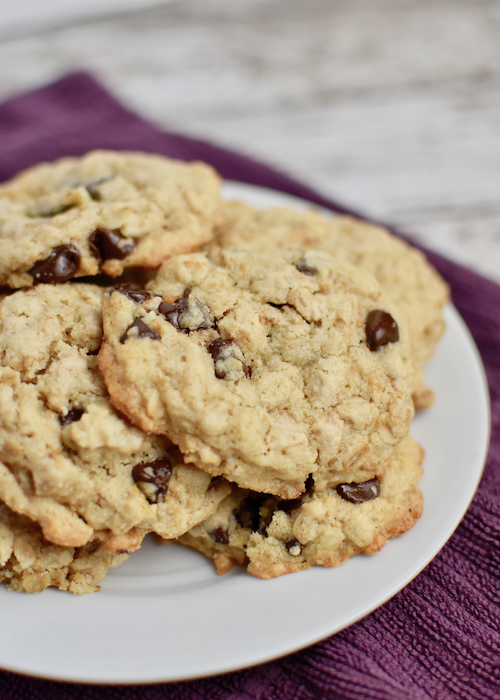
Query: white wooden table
x,y
392,106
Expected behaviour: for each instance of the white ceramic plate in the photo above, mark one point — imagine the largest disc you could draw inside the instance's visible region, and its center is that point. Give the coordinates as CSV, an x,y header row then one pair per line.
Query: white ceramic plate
x,y
165,615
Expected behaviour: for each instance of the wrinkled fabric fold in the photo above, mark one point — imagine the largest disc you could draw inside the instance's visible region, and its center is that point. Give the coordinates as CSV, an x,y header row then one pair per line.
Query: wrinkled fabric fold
x,y
439,637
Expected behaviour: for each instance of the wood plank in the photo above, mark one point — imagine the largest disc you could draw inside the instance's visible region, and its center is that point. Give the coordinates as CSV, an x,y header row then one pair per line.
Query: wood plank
x,y
392,106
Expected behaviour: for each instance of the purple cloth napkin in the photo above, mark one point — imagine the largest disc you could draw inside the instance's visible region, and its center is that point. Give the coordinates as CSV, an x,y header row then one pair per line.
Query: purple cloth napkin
x,y
438,638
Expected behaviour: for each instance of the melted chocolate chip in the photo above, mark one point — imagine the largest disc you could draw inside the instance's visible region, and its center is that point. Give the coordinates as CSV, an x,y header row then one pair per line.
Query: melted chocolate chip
x,y
133,291
173,311
381,329
62,264
289,506
220,536
152,478
227,363
276,306
186,313
143,331
359,493
73,415
94,352
306,269
294,547
110,245
309,485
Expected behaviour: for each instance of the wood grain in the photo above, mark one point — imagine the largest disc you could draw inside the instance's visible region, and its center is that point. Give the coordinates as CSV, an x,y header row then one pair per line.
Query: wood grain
x,y
392,106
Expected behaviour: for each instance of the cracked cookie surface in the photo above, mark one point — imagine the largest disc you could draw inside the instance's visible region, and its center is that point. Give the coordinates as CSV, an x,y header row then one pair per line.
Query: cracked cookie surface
x,y
404,275
258,367
103,212
68,460
322,528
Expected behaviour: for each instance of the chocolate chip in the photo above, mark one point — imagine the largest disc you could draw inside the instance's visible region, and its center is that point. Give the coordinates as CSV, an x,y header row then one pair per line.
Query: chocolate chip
x,y
309,485
173,311
359,493
289,506
62,264
248,514
186,313
381,329
152,478
73,415
228,360
93,187
143,331
110,245
220,536
294,547
133,291
94,352
93,190
306,269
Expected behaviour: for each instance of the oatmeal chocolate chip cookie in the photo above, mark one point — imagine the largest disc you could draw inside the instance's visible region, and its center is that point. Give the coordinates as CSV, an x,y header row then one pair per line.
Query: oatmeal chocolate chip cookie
x,y
67,459
223,537
28,562
404,275
322,528
261,368
105,211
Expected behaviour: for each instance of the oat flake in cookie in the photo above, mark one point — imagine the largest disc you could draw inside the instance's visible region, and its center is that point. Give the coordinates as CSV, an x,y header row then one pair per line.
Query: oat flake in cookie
x,y
404,275
68,460
104,211
322,528
29,563
258,370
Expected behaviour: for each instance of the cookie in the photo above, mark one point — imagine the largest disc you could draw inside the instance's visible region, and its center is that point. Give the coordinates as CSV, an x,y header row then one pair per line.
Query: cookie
x,y
223,537
29,563
67,459
105,211
404,275
262,368
322,528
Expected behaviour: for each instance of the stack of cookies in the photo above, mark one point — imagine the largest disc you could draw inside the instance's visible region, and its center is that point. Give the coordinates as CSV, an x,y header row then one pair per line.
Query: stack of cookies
x,y
239,381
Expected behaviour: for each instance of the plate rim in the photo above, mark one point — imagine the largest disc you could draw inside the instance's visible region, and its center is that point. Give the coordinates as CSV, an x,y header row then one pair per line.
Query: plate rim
x,y
242,190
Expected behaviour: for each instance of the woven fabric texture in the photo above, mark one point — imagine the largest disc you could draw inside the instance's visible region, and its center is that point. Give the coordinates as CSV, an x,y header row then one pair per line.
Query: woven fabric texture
x,y
439,638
